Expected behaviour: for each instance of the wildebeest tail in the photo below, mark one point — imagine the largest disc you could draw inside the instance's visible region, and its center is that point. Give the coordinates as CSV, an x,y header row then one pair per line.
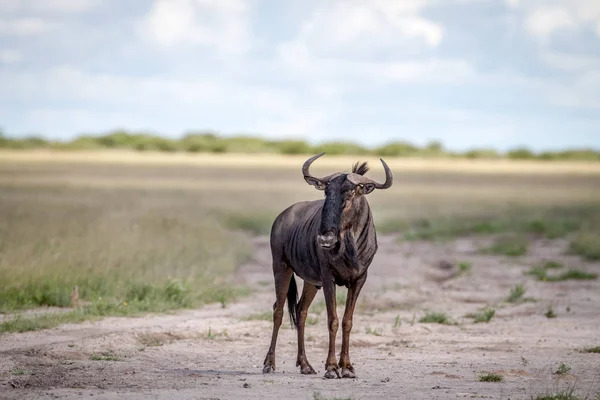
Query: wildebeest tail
x,y
292,300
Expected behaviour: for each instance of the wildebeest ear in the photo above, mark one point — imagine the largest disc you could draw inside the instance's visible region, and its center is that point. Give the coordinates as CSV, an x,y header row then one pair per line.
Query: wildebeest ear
x,y
366,188
317,183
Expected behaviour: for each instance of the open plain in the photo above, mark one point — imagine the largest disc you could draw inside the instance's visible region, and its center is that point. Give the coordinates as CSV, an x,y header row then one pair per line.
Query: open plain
x,y
485,284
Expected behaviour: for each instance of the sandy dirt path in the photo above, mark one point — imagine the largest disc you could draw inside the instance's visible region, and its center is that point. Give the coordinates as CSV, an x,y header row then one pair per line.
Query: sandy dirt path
x,y
175,357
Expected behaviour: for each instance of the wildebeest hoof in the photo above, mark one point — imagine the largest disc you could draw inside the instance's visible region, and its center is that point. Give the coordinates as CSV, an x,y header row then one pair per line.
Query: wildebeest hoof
x,y
307,370
347,373
267,369
332,373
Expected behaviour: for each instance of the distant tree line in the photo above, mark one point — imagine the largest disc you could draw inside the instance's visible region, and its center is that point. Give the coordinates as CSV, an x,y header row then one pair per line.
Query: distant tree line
x,y
208,142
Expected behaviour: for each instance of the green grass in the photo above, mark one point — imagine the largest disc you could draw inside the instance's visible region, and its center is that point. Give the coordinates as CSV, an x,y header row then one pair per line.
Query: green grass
x,y
340,298
397,321
436,318
551,264
567,394
18,371
211,335
490,377
541,274
550,313
549,224
572,274
484,315
464,266
562,369
140,299
512,245
516,293
139,238
129,251
261,316
595,349
255,224
587,244
107,356
373,331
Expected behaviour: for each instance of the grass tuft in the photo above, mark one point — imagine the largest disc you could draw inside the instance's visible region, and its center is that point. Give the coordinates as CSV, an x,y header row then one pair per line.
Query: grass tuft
x,y
513,246
550,313
211,335
465,266
436,318
106,356
18,371
562,369
595,349
516,293
541,274
484,315
567,394
587,245
490,377
374,331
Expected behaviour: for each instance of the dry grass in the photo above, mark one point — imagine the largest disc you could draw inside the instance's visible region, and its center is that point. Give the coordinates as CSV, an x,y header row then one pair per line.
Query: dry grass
x,y
292,161
155,339
157,232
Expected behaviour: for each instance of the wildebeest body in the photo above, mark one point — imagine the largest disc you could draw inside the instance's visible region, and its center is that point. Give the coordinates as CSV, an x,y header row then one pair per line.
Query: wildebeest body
x,y
293,239
327,243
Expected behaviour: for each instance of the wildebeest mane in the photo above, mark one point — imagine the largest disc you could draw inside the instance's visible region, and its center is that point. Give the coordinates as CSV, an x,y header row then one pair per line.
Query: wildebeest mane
x,y
359,168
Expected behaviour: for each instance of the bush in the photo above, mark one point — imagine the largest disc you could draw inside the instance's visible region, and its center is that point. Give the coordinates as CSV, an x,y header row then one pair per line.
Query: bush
x,y
339,148
396,149
482,153
521,153
294,147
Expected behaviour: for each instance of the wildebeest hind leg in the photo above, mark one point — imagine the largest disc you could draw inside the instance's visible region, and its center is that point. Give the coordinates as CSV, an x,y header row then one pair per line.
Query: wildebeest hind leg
x,y
308,294
282,275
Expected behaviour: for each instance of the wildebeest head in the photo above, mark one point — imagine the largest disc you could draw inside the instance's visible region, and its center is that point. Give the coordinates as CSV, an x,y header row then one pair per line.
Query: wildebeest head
x,y
340,191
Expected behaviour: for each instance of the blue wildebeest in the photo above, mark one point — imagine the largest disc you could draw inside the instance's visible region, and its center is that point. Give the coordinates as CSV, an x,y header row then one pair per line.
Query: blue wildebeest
x,y
325,242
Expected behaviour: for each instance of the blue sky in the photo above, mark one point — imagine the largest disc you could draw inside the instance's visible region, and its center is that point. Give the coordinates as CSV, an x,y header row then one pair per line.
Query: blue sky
x,y
471,73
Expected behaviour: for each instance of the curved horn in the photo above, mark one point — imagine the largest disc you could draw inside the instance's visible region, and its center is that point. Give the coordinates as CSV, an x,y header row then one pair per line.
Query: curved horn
x,y
307,164
389,178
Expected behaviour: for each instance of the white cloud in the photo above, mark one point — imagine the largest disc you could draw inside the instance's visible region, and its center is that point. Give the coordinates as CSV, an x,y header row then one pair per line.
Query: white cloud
x,y
356,27
24,26
512,3
571,62
55,6
335,45
544,19
220,24
10,56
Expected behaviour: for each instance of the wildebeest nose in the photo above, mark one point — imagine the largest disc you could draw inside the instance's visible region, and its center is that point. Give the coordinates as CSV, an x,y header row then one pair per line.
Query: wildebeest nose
x,y
327,240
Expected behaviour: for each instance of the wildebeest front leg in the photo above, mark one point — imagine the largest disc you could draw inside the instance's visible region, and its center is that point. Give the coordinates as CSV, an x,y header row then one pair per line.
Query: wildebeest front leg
x,y
282,283
353,292
308,294
331,365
